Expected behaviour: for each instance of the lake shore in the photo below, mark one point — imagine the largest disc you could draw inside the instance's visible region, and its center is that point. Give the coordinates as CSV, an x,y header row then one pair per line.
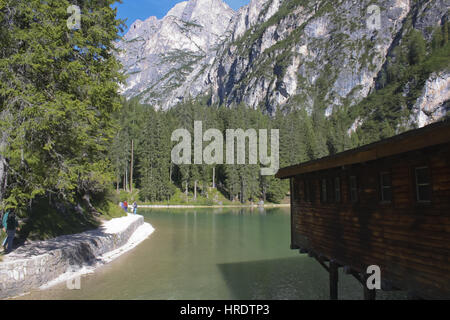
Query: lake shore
x,y
42,264
183,206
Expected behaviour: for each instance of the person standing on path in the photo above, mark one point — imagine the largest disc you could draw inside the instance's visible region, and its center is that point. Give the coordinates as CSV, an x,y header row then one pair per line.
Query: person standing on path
x,y
125,206
1,227
10,225
135,206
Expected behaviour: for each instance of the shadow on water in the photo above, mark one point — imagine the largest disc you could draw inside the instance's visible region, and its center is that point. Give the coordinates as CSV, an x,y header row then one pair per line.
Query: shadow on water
x,y
278,279
299,278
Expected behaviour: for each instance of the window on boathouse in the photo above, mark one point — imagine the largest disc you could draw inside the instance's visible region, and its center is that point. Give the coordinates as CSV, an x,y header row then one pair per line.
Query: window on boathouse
x,y
423,184
386,187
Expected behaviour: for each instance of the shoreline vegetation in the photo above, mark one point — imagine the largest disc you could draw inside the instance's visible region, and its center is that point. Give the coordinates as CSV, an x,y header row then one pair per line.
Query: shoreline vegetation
x,y
184,206
212,198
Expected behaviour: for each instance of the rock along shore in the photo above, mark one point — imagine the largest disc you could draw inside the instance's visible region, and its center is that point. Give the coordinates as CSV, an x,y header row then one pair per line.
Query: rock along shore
x,y
41,263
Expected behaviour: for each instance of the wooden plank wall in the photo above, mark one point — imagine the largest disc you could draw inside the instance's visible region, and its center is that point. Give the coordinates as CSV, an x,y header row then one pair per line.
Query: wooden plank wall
x,y
410,241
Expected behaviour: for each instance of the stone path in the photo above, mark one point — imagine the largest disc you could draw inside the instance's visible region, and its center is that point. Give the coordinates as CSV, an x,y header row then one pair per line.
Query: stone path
x,y
35,264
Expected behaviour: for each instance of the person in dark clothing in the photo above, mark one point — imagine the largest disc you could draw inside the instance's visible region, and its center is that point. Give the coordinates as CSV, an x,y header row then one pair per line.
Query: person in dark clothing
x,y
10,225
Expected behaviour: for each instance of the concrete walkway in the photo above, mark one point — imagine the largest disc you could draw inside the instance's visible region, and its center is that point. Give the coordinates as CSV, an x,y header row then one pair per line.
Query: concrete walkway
x,y
39,263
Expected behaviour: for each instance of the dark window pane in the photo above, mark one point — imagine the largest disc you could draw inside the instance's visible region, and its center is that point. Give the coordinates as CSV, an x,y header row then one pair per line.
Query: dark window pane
x,y
386,187
424,193
386,179
422,176
387,194
423,186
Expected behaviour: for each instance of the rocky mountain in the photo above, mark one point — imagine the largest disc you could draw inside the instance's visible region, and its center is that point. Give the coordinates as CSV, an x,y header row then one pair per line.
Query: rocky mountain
x,y
277,54
160,55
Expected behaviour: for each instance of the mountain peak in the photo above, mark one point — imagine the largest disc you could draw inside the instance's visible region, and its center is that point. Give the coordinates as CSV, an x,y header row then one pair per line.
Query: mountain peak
x,y
190,10
177,10
163,51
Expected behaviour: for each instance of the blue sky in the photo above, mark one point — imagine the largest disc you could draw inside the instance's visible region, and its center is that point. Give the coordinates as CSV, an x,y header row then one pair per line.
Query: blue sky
x,y
142,9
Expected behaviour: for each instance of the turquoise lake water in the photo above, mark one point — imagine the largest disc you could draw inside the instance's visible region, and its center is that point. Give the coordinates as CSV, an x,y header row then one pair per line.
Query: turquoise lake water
x,y
210,254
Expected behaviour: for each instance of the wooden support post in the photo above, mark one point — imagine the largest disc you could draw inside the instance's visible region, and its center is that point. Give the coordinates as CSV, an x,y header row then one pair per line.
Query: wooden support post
x,y
369,294
334,278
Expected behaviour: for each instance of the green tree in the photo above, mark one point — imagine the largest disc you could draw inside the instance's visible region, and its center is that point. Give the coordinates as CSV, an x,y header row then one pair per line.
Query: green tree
x,y
438,38
58,91
417,47
154,155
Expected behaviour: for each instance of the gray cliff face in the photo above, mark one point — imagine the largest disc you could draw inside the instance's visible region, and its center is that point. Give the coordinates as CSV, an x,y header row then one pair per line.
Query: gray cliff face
x,y
434,103
160,55
270,54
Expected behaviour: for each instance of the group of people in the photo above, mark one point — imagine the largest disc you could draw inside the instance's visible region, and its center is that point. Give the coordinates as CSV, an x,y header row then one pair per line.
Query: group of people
x,y
9,225
124,206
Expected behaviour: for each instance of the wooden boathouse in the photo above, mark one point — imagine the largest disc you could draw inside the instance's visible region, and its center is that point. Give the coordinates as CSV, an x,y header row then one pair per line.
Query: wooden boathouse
x,y
385,204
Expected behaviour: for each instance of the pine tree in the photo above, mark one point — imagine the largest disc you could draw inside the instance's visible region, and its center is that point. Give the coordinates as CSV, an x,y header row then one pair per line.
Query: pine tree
x,y
445,32
438,38
58,90
417,47
154,155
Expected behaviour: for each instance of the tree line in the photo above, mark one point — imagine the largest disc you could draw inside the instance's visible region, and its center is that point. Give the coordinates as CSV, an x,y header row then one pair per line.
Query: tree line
x,y
141,150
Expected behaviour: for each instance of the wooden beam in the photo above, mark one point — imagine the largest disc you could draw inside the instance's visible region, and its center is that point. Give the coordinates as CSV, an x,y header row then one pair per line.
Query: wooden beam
x,y
291,198
369,294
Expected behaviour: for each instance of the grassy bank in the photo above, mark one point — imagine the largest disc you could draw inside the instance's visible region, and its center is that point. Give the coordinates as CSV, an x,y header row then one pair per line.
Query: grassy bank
x,y
46,222
212,197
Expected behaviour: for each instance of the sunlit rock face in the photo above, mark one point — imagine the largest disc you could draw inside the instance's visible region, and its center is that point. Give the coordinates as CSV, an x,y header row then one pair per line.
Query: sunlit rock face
x,y
160,55
434,103
270,54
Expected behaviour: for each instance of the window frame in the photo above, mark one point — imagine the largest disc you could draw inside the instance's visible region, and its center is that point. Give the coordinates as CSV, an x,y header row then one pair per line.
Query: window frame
x,y
417,185
383,187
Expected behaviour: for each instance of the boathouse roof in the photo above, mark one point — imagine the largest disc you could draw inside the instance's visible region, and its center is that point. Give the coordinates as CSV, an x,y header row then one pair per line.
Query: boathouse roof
x,y
431,135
